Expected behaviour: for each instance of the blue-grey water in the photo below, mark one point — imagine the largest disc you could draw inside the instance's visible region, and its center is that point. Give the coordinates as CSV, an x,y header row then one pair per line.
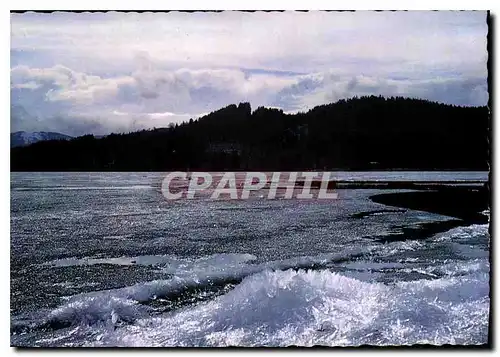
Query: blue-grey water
x,y
103,259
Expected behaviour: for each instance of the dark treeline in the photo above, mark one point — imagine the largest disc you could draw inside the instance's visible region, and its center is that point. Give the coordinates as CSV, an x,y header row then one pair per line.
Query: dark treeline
x,y
356,134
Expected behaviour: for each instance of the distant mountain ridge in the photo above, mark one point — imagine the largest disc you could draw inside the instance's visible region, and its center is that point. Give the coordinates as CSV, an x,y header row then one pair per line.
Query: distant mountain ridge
x,y
23,138
367,133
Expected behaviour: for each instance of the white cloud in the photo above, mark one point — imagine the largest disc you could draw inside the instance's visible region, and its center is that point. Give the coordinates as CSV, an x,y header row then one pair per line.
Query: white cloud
x,y
155,98
150,90
108,71
321,88
312,41
28,85
64,84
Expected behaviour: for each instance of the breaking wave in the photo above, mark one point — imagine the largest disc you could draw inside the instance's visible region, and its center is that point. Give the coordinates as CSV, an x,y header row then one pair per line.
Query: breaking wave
x,y
282,308
330,299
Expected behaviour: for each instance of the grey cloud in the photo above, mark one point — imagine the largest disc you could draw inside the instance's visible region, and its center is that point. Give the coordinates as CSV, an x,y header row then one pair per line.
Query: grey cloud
x,y
152,85
149,94
97,123
458,91
75,103
320,89
305,42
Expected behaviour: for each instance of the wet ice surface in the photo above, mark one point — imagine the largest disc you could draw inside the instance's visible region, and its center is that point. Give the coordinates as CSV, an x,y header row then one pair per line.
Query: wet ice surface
x,y
104,260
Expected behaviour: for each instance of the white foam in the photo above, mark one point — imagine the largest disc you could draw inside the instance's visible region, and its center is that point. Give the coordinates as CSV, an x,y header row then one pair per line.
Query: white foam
x,y
122,304
187,274
273,306
89,311
281,308
465,233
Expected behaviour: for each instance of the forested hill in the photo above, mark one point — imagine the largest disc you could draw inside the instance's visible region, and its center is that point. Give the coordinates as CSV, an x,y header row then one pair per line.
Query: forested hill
x,y
356,134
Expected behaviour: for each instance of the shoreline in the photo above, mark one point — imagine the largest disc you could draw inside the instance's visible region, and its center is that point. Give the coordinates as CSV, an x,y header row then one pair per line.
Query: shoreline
x,y
461,202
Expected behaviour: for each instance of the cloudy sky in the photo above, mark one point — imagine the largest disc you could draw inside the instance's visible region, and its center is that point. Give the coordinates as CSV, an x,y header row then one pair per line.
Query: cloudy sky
x,y
116,72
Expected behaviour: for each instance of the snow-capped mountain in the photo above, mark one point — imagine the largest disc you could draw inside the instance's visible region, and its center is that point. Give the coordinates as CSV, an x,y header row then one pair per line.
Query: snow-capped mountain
x,y
22,138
